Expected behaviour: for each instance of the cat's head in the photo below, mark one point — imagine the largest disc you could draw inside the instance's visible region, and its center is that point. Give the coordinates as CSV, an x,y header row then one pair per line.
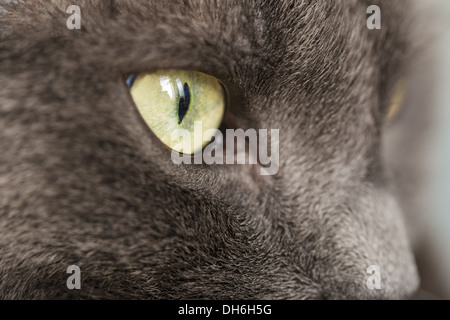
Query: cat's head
x,y
84,181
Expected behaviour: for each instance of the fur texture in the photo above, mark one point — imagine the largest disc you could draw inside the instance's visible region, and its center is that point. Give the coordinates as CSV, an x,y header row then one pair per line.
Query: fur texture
x,y
83,181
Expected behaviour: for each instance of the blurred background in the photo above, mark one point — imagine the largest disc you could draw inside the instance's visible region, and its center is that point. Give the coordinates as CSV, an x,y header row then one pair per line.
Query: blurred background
x,y
438,191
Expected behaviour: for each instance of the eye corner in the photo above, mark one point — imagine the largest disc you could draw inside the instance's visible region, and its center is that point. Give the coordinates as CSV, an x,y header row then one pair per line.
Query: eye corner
x,y
130,78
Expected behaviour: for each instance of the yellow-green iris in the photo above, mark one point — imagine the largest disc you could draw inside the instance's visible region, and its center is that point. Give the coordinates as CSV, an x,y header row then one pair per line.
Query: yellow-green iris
x,y
175,99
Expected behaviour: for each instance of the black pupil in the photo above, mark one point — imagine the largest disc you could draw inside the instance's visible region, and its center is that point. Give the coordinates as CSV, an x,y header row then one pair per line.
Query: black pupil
x,y
183,105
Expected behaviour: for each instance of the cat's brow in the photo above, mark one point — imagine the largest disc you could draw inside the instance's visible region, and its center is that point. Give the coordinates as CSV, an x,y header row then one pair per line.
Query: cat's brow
x,y
210,37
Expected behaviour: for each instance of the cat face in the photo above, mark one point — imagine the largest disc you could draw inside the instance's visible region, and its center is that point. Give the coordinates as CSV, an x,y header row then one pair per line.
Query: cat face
x,y
84,181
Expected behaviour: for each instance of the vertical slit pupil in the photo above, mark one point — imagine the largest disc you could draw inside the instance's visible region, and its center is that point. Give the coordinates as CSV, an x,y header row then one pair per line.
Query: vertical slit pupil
x,y
183,104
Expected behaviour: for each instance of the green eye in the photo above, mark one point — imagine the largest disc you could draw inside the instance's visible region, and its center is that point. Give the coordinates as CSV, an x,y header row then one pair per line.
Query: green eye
x,y
175,99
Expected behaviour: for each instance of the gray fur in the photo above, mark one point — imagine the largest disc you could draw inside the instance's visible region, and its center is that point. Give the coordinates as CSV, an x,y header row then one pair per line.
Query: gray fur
x,y
83,181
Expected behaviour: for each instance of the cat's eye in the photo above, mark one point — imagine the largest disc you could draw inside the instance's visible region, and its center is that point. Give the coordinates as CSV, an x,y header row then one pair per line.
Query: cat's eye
x,y
177,99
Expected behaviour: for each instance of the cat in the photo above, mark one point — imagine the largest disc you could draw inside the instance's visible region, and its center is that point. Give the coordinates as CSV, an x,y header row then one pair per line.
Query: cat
x,y
84,182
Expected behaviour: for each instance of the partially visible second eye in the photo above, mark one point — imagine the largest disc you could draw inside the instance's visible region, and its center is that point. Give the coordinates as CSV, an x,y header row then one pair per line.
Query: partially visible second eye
x,y
397,100
175,99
